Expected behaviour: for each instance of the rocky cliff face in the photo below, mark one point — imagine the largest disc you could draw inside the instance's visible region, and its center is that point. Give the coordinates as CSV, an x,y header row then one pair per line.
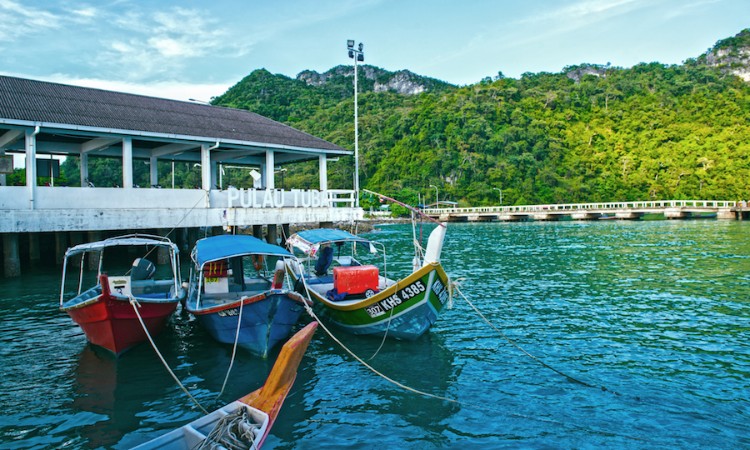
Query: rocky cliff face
x,y
373,78
731,55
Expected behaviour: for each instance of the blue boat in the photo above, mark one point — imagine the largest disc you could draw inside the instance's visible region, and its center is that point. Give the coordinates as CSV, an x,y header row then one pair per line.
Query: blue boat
x,y
240,293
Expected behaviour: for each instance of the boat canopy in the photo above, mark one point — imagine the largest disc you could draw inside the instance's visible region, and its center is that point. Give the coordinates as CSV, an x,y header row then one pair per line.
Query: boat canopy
x,y
308,241
229,246
129,240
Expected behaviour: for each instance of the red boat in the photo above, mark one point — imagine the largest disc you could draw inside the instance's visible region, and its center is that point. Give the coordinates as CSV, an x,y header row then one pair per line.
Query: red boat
x,y
115,310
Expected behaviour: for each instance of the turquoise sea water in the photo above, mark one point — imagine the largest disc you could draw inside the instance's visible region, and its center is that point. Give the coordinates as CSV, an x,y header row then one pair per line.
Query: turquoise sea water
x,y
649,321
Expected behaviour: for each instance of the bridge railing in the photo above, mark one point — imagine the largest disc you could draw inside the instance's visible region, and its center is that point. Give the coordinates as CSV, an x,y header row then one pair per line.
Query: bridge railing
x,y
601,207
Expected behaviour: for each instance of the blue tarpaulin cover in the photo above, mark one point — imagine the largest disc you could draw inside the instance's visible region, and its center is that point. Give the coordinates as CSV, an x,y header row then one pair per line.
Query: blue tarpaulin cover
x,y
309,241
229,245
322,235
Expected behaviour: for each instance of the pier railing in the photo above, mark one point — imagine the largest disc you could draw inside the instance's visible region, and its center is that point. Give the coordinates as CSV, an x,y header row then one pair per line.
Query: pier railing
x,y
625,210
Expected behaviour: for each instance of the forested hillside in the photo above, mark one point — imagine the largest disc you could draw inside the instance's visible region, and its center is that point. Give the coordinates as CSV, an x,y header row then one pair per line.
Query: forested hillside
x,y
590,133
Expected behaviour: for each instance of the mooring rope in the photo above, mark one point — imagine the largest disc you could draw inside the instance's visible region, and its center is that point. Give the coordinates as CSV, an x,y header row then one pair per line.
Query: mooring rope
x,y
134,303
234,349
385,335
477,407
522,350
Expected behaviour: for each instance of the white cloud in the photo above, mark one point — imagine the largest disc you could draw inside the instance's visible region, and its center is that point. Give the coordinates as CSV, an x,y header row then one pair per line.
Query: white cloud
x,y
175,90
162,42
21,20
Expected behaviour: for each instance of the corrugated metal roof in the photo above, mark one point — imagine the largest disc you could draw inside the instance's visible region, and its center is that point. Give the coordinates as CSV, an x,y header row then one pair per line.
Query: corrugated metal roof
x,y
40,101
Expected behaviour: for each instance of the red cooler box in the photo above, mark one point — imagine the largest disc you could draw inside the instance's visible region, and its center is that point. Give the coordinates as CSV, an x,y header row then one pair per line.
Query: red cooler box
x,y
355,279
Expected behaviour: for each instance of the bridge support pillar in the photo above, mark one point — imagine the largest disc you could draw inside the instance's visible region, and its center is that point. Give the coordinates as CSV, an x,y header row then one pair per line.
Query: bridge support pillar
x,y
11,256
628,215
585,216
34,252
676,213
284,233
726,213
272,234
61,244
258,231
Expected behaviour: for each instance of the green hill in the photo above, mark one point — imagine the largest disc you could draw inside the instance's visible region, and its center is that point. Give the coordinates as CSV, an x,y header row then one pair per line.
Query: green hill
x,y
590,133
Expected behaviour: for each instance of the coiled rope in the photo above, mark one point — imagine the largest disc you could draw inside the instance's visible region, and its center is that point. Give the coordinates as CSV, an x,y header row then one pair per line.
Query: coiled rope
x,y
235,431
134,303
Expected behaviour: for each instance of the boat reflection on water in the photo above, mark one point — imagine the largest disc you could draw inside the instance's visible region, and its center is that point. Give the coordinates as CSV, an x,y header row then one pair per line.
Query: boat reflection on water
x,y
341,399
425,365
117,390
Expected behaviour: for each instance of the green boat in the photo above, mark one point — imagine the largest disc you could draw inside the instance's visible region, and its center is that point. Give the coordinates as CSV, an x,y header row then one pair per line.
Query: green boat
x,y
357,295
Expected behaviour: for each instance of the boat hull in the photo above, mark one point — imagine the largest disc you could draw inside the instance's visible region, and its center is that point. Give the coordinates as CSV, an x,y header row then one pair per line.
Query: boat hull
x,y
112,323
405,310
267,319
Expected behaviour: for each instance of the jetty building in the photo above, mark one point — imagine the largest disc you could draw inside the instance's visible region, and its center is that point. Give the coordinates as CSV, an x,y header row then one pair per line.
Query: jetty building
x,y
42,122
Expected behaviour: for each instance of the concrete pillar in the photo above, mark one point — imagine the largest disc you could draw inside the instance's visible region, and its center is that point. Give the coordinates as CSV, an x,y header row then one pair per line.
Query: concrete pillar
x,y
284,234
127,162
193,234
258,231
11,256
272,234
183,240
270,164
31,166
92,258
153,178
727,213
34,253
84,169
205,167
325,224
323,164
61,245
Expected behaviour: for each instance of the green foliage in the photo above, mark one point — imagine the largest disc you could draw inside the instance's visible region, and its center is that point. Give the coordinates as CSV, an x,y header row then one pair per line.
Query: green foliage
x,y
591,133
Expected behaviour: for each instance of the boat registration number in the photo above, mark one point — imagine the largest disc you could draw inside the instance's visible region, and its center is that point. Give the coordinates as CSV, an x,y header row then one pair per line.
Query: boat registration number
x,y
229,312
388,303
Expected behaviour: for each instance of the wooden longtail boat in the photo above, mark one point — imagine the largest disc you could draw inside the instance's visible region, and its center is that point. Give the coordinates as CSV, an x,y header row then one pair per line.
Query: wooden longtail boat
x,y
240,294
360,298
261,406
104,311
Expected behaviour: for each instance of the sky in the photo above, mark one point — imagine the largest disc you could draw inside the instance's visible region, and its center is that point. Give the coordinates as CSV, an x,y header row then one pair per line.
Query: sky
x,y
197,49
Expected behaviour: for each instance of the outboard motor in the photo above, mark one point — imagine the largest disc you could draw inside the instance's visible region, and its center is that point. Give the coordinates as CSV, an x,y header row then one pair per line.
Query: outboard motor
x,y
142,269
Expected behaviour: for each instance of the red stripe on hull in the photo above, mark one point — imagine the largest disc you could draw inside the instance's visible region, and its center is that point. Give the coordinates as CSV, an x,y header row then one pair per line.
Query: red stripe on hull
x,y
113,325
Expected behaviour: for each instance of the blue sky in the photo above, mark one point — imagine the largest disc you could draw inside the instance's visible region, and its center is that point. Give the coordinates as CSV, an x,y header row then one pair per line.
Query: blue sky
x,y
197,49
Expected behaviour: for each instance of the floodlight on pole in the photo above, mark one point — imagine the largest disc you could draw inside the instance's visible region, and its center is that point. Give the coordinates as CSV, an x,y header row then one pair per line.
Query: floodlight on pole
x,y
357,54
437,201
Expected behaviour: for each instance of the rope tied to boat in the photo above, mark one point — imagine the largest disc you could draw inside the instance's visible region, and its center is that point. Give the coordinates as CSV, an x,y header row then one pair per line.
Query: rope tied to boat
x,y
134,303
456,285
234,348
235,431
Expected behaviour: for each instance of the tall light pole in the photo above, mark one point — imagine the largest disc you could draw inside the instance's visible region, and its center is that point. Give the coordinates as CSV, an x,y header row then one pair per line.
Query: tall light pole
x,y
437,203
357,54
501,194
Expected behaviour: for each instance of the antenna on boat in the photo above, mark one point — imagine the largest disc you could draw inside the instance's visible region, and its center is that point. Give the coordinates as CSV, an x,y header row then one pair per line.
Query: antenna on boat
x,y
409,207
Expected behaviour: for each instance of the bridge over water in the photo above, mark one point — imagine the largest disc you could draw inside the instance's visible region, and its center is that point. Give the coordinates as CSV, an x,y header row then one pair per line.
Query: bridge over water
x,y
669,209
